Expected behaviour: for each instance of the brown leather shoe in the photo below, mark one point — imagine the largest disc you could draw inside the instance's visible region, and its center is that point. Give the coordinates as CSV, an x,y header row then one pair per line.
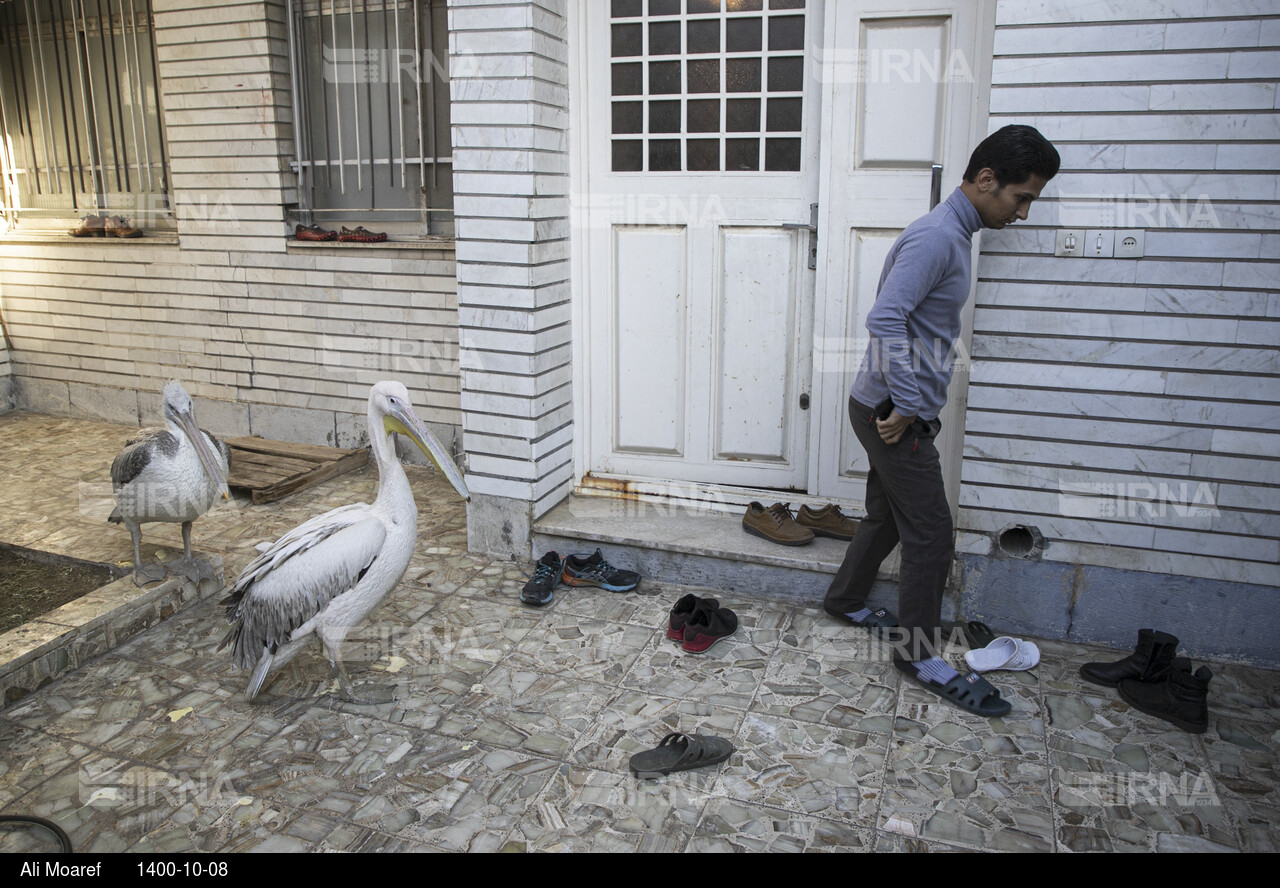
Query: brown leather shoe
x,y
90,226
775,524
118,226
828,521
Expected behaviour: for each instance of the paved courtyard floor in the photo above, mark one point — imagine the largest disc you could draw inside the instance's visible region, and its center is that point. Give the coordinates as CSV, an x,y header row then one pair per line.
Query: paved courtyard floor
x,y
511,727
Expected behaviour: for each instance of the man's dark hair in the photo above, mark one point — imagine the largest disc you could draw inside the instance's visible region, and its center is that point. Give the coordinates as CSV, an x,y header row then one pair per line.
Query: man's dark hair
x,y
1014,153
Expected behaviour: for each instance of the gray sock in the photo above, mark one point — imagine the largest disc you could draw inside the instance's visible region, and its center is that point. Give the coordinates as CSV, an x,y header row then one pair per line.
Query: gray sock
x,y
859,616
935,669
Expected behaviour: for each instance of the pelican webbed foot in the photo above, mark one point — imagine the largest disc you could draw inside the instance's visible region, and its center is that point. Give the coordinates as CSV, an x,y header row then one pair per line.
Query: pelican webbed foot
x,y
145,574
194,569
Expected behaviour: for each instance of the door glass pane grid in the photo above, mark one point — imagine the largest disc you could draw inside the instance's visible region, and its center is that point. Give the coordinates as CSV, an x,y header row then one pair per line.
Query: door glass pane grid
x,y
707,85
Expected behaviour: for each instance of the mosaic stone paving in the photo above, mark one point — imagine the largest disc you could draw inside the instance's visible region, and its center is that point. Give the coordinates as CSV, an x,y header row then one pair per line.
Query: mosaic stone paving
x,y
511,727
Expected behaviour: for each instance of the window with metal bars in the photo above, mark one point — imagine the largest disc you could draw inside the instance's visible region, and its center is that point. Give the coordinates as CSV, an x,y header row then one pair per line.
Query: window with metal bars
x,y
371,114
80,111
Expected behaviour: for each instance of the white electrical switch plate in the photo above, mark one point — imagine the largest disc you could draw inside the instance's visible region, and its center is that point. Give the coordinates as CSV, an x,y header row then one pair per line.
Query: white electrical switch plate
x,y
1069,242
1131,244
1099,244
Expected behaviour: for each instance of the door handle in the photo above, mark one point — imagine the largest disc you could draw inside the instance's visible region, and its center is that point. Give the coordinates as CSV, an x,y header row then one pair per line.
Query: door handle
x,y
812,228
935,191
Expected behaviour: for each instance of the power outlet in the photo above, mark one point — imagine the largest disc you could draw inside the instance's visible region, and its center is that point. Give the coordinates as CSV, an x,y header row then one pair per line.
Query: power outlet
x,y
1131,244
1069,242
1099,244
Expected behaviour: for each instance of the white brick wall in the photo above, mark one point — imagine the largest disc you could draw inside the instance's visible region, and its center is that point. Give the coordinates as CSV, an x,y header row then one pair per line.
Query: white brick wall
x,y
1138,374
274,340
6,379
509,79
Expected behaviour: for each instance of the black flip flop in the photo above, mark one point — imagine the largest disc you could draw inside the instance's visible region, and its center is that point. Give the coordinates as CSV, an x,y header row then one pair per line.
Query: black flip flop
x,y
976,634
680,752
979,634
971,692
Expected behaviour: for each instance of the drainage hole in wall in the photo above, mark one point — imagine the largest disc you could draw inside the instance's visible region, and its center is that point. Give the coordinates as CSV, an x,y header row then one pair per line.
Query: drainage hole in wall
x,y
1019,541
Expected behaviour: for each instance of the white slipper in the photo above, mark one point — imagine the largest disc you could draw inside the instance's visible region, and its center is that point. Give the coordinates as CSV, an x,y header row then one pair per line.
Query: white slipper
x,y
1004,653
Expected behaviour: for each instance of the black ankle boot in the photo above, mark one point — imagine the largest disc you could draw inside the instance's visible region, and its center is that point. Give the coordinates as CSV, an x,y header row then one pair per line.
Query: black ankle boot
x,y
1182,700
1149,662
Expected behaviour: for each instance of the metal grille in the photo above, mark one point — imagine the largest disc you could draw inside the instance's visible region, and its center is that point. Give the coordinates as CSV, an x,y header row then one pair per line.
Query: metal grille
x,y
80,109
371,111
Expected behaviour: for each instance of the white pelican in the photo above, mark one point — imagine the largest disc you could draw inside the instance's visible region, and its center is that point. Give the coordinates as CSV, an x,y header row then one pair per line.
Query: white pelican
x,y
174,474
325,576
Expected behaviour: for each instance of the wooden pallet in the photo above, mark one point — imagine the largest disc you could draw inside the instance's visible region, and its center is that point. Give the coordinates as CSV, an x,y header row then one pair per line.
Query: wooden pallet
x,y
272,470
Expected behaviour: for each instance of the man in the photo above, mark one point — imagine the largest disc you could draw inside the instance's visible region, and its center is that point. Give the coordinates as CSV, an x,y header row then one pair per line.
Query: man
x,y
896,398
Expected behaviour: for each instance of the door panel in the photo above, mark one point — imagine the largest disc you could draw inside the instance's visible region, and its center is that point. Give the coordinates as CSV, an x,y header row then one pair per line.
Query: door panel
x,y
756,336
900,53
651,324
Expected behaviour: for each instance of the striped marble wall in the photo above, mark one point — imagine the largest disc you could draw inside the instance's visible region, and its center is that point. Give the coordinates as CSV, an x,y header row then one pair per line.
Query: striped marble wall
x,y
1130,408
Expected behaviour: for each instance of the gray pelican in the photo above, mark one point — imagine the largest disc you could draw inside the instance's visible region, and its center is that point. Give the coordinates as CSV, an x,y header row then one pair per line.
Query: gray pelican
x,y
327,574
173,474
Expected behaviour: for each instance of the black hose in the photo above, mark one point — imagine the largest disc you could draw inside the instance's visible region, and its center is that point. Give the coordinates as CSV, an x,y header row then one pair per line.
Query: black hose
x,y
62,837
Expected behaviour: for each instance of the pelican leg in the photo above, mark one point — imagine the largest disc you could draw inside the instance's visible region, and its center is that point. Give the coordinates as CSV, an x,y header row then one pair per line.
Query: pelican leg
x,y
379,696
142,574
191,568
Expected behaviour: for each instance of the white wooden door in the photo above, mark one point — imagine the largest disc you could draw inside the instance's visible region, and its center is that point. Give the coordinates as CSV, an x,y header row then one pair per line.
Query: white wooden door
x,y
703,149
714,127
903,91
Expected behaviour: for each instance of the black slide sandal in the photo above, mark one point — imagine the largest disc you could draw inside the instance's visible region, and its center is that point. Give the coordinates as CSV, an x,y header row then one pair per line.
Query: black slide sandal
x,y
971,692
680,752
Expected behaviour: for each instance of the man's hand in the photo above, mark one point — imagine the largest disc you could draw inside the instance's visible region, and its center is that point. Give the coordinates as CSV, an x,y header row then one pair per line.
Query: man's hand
x,y
892,429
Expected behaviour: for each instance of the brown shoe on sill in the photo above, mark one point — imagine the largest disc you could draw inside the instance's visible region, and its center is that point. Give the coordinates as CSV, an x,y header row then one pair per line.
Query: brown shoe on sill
x,y
828,521
775,524
90,226
118,226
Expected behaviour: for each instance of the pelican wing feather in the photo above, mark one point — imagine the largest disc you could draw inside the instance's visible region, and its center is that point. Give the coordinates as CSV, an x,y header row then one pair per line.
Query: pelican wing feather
x,y
137,453
286,586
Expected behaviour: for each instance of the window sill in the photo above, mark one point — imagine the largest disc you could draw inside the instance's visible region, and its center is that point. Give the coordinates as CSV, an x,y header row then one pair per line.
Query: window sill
x,y
429,244
53,237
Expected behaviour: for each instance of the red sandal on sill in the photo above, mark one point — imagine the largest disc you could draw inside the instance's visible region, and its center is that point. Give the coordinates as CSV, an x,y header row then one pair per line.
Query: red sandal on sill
x,y
361,235
313,233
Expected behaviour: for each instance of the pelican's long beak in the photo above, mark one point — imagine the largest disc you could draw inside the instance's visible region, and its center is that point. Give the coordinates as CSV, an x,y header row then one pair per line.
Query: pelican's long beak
x,y
406,422
211,467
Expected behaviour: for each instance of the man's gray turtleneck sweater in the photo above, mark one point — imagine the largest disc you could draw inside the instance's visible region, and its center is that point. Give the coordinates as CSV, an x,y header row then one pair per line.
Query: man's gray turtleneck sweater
x,y
915,321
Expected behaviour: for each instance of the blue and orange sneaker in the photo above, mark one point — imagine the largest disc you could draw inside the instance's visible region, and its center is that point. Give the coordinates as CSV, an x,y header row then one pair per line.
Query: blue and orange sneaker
x,y
581,570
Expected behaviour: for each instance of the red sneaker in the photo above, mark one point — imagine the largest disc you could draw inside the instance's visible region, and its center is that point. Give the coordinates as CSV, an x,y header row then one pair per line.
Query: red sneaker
x,y
681,613
707,625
